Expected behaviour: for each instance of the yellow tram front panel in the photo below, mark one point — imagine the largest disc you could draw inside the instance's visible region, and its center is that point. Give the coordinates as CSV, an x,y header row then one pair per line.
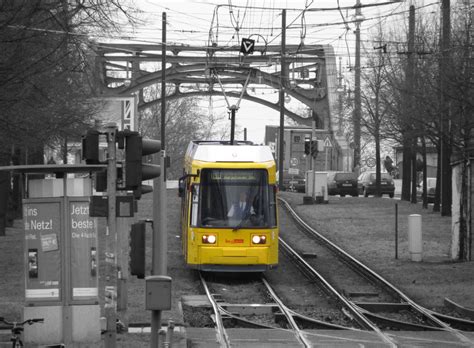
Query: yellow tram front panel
x,y
232,248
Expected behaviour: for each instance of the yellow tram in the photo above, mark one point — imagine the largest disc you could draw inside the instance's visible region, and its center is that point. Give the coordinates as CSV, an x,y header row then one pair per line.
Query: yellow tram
x,y
229,213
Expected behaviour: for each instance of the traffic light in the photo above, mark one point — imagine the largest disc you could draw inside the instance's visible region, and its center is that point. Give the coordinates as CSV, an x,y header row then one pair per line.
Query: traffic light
x,y
314,148
90,147
137,249
100,181
134,170
307,146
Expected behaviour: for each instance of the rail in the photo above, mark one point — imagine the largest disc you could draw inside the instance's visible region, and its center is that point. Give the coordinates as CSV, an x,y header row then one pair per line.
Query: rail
x,y
370,274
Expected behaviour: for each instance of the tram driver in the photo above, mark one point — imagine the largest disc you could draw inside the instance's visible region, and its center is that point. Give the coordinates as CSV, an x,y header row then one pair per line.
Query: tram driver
x,y
241,209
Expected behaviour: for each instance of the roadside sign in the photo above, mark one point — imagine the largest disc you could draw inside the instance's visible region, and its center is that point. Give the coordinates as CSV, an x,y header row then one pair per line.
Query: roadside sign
x,y
272,147
293,171
247,46
327,142
370,162
294,162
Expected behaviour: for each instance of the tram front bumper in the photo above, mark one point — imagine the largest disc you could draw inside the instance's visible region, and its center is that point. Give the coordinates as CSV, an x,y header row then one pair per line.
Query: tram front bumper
x,y
234,255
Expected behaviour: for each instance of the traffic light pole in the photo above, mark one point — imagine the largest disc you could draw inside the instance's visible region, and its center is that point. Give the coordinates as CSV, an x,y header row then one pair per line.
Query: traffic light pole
x,y
110,306
160,241
313,160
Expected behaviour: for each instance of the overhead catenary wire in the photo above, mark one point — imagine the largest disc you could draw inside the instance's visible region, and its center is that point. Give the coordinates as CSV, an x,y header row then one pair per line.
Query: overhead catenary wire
x,y
310,29
305,27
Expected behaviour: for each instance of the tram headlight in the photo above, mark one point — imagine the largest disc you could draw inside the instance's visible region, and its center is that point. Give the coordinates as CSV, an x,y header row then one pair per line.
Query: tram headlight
x,y
256,239
209,239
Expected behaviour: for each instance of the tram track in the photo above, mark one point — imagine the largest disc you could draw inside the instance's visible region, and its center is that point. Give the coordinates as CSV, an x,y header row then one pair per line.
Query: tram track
x,y
225,316
228,316
380,302
305,329
306,311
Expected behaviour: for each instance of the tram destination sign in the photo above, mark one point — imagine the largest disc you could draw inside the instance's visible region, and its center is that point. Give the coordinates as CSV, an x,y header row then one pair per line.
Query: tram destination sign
x,y
235,175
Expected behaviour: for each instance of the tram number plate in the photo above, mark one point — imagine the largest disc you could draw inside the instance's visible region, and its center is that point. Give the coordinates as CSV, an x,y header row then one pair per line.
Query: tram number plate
x,y
293,182
346,184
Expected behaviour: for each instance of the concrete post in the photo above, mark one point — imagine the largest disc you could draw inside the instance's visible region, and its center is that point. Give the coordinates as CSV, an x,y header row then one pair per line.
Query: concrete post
x,y
415,240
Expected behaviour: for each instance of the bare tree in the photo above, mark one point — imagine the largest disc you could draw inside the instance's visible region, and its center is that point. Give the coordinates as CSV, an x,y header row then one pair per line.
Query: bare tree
x,y
45,76
185,121
375,98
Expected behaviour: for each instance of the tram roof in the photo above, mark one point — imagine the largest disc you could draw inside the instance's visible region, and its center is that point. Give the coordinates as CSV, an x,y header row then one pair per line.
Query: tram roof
x,y
223,151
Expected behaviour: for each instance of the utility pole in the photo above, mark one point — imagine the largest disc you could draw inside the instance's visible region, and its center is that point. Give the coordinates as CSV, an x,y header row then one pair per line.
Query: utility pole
x,y
408,132
110,306
445,151
339,91
282,99
160,242
409,79
357,97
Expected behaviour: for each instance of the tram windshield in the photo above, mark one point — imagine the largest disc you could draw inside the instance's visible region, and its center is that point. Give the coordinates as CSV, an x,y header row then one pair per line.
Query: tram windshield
x,y
236,198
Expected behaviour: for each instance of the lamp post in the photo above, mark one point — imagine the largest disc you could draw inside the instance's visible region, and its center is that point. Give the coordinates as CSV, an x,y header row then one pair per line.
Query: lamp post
x,y
357,99
340,90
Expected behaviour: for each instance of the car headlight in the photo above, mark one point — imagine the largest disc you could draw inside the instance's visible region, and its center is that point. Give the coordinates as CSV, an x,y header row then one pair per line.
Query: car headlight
x,y
259,239
209,239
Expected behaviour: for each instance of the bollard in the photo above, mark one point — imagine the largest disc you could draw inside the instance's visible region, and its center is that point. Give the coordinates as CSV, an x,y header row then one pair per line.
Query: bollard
x,y
169,334
415,240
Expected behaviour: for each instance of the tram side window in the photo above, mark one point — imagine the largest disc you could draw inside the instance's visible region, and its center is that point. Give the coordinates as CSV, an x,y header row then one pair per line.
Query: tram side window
x,y
194,204
272,206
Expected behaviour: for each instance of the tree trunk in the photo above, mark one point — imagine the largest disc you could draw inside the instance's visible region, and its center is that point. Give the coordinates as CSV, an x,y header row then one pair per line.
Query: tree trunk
x,y
4,193
437,201
424,188
414,176
377,161
406,172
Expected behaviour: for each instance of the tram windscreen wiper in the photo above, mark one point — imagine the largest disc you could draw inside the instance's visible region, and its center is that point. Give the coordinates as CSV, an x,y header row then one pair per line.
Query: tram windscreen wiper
x,y
239,225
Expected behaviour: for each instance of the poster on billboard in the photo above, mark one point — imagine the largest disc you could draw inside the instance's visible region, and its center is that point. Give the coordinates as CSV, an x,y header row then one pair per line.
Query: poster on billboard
x,y
84,257
42,226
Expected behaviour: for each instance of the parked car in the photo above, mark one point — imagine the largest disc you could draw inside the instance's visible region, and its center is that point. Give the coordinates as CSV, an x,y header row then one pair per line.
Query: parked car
x,y
342,183
293,182
366,183
430,189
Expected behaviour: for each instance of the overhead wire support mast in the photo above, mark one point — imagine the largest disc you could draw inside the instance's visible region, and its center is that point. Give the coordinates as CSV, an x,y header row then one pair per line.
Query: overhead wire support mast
x,y
282,100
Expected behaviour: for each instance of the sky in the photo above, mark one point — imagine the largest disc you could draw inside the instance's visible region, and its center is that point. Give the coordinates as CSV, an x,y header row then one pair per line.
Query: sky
x,y
201,22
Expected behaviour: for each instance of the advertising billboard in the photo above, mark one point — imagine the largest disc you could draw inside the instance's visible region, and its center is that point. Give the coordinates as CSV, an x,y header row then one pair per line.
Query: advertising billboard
x,y
42,225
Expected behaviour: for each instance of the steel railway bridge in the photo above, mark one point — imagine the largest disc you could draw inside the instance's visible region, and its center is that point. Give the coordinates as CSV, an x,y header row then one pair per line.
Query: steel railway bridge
x,y
309,76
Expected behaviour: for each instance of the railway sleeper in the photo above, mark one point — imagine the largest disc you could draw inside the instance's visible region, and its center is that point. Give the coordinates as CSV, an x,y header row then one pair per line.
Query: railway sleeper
x,y
377,307
238,322
363,294
250,309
